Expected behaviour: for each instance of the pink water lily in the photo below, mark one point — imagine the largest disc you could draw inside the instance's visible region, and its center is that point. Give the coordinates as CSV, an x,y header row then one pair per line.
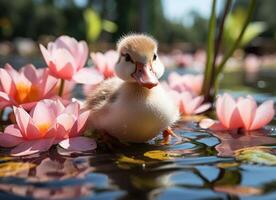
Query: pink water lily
x,y
66,58
25,87
190,82
242,113
48,123
105,63
188,103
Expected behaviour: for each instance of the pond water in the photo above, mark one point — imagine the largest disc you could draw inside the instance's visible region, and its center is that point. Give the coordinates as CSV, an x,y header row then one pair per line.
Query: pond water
x,y
187,169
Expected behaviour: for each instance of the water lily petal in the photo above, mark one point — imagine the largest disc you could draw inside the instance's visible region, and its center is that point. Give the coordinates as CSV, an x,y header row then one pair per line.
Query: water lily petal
x,y
28,106
264,114
6,82
45,53
5,100
8,140
49,84
247,109
88,76
212,125
32,147
11,136
192,105
30,73
83,54
42,114
65,123
202,108
64,73
230,114
72,109
26,124
99,61
219,108
82,120
13,74
13,130
78,144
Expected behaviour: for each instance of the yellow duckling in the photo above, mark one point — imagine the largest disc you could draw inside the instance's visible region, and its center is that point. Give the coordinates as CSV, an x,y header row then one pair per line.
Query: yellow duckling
x,y
133,107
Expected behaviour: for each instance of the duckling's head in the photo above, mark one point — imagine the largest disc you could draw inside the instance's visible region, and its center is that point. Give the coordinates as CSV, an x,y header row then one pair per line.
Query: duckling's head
x,y
138,61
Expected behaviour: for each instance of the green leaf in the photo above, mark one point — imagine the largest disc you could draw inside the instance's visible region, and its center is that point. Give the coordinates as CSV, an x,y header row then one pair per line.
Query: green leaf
x,y
109,26
161,155
93,25
233,26
12,168
130,160
253,30
257,154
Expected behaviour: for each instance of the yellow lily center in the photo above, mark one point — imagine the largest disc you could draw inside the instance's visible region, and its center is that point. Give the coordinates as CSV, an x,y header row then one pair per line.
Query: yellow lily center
x,y
26,93
43,128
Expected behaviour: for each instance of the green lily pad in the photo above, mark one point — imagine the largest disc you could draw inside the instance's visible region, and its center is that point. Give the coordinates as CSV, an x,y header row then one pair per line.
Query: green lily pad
x,y
258,154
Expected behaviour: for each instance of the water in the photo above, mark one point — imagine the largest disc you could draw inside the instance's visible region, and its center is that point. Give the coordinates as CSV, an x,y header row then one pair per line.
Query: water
x,y
187,169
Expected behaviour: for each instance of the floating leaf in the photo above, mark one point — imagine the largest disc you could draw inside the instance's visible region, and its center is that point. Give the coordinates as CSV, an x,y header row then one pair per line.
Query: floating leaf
x,y
230,142
239,190
260,155
227,165
161,155
12,168
130,160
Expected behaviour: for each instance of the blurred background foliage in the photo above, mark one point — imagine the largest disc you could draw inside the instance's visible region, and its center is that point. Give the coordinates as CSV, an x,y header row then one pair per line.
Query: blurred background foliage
x,y
106,20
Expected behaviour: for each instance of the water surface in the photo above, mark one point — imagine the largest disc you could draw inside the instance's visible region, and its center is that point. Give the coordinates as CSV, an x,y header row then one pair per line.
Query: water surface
x,y
187,169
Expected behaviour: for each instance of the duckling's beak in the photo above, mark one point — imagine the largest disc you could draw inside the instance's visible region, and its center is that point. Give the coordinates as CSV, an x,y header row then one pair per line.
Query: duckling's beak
x,y
145,75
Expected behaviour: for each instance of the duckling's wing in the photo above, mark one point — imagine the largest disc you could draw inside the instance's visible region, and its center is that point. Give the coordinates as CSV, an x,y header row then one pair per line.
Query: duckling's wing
x,y
103,94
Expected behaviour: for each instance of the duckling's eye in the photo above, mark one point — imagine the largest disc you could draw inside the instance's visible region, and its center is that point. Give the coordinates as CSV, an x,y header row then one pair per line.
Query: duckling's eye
x,y
128,58
154,57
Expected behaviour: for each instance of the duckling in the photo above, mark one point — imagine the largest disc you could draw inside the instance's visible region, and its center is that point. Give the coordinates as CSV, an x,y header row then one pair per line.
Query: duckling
x,y
133,107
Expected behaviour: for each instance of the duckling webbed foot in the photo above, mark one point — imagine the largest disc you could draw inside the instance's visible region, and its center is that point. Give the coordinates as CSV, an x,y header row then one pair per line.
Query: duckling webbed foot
x,y
167,136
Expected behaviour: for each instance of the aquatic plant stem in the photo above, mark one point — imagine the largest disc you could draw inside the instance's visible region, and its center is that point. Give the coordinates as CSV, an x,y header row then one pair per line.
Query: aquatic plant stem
x,y
213,83
210,50
237,42
61,87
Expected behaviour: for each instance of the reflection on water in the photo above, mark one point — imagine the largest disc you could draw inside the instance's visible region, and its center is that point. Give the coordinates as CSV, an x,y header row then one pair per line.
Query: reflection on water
x,y
190,169
193,170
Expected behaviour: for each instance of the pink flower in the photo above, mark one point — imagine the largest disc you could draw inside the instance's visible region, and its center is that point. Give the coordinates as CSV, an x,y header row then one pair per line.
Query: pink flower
x,y
252,63
190,82
243,113
105,63
187,103
25,87
48,123
190,105
183,59
66,58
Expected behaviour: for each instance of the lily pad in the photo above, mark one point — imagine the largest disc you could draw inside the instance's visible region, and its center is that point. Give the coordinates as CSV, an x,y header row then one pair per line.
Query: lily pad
x,y
130,160
161,155
12,168
230,142
259,155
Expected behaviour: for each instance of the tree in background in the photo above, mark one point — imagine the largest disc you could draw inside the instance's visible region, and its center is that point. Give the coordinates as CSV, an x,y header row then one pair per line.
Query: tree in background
x,y
33,18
